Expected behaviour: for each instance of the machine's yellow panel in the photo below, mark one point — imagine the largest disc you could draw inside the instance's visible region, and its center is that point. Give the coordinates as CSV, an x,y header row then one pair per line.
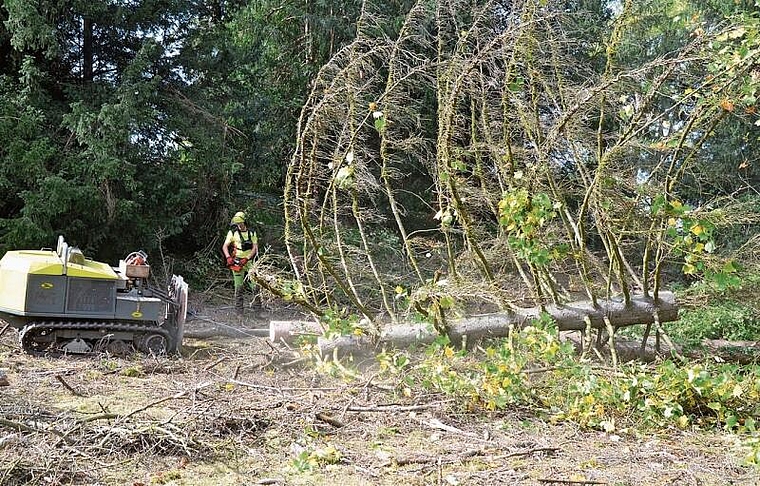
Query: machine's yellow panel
x,y
91,269
18,266
13,290
37,262
15,268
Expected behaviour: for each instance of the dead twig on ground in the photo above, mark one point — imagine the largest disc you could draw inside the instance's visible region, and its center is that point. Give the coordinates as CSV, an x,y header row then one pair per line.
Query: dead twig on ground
x,y
532,451
274,388
216,363
330,420
176,396
437,424
67,386
11,424
469,453
568,481
391,408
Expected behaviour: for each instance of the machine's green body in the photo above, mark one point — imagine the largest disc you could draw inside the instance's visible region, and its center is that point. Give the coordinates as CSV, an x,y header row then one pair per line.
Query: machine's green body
x,y
61,301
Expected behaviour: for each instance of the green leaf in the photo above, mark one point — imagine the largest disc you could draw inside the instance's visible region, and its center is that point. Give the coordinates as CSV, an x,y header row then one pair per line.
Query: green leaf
x,y
658,204
516,86
717,406
446,302
731,421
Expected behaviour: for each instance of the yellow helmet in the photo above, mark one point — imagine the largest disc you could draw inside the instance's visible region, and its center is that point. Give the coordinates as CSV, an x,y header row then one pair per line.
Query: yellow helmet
x,y
238,218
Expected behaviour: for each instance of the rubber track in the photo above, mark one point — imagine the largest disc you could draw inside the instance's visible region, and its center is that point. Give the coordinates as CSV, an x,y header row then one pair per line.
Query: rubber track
x,y
105,326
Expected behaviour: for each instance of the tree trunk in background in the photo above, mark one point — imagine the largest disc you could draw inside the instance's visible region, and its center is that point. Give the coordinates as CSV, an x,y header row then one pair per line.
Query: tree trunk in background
x,y
87,54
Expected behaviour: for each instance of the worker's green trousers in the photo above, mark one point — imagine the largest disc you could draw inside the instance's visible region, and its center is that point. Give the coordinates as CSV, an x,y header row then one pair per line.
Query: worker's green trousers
x,y
240,278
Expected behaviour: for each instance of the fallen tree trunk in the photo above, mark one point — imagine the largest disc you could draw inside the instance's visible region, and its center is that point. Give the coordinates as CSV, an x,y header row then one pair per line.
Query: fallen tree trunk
x,y
290,331
741,352
575,316
629,349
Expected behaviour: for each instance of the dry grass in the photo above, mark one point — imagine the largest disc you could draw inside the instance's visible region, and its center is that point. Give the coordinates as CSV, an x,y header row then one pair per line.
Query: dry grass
x,y
230,412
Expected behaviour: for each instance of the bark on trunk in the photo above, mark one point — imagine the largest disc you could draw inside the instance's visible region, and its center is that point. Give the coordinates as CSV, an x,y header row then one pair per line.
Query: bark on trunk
x,y
569,317
87,51
741,352
289,331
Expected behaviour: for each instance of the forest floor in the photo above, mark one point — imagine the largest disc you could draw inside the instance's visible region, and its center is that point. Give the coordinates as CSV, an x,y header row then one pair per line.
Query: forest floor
x,y
235,409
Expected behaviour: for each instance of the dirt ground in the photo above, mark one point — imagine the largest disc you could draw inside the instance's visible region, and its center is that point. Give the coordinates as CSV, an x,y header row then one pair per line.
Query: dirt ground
x,y
235,409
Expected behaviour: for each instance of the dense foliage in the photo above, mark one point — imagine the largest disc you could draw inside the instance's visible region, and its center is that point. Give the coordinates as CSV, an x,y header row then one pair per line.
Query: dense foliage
x,y
143,124
533,370
581,146
612,144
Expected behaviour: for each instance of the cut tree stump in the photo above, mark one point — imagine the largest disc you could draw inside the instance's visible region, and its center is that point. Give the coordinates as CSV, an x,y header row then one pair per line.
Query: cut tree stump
x,y
569,317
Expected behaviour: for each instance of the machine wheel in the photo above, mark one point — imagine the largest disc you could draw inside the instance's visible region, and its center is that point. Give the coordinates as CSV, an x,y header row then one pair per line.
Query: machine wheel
x,y
155,344
36,340
118,348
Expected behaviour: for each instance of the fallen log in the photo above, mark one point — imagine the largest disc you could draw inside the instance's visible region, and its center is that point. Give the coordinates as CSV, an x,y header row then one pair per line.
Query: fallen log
x,y
289,331
740,352
720,350
629,349
574,316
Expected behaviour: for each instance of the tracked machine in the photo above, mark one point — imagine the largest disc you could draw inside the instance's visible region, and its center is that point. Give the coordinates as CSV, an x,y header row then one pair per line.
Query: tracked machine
x,y
62,302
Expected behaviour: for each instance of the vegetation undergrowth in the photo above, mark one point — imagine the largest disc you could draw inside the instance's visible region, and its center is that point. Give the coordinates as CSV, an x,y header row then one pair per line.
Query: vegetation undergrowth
x,y
534,370
720,311
714,309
